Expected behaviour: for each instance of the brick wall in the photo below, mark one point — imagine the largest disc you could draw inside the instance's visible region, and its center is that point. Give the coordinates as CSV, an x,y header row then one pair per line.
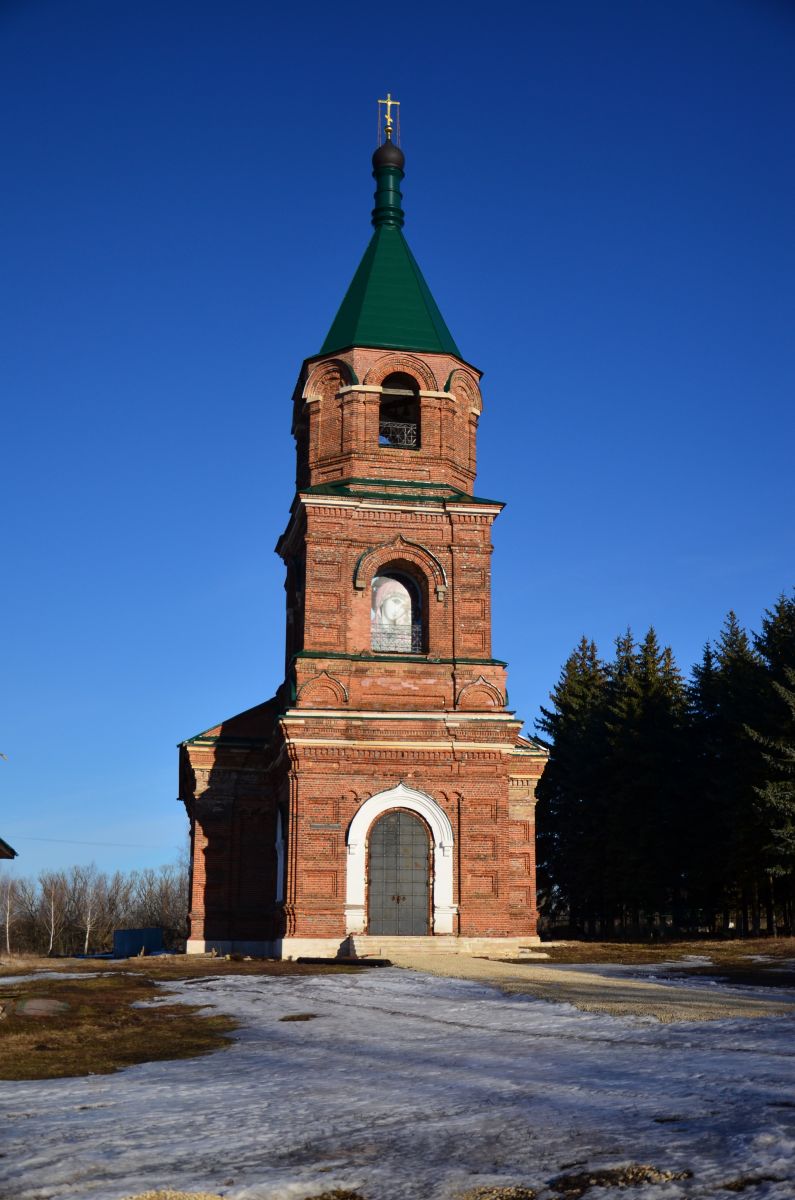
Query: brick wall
x,y
352,722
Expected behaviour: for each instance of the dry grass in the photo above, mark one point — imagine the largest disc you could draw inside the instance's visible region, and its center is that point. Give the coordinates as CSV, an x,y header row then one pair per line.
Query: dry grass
x,y
749,1181
499,1193
337,1194
573,1187
169,1195
165,967
99,1031
732,960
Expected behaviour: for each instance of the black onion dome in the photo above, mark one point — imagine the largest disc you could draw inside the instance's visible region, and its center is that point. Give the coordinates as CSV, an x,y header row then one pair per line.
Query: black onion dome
x,y
389,155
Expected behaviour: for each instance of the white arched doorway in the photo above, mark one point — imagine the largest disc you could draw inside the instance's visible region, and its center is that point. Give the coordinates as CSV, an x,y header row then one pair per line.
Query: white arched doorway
x,y
443,910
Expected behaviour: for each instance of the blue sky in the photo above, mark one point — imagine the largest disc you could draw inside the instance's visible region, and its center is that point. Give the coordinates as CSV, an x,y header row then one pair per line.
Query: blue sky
x,y
600,196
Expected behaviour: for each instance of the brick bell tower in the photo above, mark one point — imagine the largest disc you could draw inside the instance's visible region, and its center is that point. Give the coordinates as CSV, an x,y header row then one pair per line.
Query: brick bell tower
x,y
385,790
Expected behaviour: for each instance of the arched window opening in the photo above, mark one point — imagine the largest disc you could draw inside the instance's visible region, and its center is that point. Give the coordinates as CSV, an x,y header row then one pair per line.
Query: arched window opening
x,y
399,413
396,614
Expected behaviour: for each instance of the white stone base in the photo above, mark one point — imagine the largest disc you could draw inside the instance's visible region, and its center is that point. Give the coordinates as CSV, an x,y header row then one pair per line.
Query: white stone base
x,y
223,946
366,946
303,947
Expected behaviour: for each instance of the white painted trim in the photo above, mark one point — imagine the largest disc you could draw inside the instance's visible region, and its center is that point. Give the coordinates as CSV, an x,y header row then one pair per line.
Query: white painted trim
x,y
376,387
442,836
451,717
393,505
497,747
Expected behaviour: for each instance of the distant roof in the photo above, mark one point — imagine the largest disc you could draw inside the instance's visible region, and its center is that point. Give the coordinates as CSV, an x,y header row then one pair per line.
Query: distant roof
x,y
7,851
388,303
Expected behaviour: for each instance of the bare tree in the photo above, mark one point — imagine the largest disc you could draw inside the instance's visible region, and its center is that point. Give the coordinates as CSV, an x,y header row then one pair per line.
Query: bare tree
x,y
9,908
27,913
82,884
52,905
76,911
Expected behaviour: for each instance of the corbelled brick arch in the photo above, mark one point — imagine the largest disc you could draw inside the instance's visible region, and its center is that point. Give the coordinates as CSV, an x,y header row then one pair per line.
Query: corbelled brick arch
x,y
327,378
463,386
479,694
323,691
434,816
405,364
400,549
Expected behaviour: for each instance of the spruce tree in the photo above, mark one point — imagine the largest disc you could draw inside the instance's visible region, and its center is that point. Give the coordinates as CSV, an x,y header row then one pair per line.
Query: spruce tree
x,y
645,729
774,732
570,817
623,858
738,769
706,833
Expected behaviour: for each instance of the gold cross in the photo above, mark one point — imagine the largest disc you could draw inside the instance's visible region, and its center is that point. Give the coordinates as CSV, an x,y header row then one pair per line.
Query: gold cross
x,y
389,104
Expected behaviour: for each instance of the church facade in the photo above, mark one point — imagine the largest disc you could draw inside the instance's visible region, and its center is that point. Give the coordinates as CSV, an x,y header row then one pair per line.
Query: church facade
x,y
385,790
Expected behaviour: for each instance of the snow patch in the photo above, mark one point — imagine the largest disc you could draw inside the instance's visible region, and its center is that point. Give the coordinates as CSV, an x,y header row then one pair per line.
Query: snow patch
x,y
406,1086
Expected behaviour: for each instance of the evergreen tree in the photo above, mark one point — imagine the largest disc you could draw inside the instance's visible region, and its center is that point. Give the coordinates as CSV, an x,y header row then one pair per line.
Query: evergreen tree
x,y
659,799
774,733
569,793
622,859
706,841
738,770
646,717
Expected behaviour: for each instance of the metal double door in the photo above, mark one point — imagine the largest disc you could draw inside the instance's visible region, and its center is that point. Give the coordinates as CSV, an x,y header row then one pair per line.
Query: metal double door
x,y
399,876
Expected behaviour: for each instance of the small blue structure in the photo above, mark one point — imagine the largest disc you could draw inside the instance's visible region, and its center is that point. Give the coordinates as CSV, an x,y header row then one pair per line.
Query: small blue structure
x,y
127,943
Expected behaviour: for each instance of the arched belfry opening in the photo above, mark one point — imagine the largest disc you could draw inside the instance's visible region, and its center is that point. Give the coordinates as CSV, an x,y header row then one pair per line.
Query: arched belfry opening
x,y
396,613
399,413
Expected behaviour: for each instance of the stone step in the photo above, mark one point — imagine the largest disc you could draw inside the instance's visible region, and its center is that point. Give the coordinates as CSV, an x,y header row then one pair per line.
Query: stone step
x,y
386,946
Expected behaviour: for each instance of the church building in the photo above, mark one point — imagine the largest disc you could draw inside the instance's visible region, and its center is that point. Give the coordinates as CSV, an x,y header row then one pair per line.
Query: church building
x,y
385,791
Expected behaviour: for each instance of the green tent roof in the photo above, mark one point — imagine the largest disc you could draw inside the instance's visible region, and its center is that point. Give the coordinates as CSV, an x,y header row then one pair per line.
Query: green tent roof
x,y
389,303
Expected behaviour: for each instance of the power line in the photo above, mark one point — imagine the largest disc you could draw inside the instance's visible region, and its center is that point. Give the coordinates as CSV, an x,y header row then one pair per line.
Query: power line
x,y
72,842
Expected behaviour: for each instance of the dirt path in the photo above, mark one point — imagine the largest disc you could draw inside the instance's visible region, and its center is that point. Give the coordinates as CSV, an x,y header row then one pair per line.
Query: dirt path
x,y
592,992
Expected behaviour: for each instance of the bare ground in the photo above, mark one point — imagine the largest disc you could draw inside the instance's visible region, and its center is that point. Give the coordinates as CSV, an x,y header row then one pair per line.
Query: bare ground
x,y
595,992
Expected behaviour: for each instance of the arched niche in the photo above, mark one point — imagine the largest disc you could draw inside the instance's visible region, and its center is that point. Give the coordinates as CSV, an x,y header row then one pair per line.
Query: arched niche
x,y
463,387
323,691
479,694
326,379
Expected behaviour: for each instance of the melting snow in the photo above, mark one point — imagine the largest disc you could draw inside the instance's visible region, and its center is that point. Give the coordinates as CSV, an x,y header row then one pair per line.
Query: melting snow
x,y
409,1087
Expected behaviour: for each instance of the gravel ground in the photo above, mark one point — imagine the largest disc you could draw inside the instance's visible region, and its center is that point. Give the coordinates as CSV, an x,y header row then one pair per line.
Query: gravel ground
x,y
593,992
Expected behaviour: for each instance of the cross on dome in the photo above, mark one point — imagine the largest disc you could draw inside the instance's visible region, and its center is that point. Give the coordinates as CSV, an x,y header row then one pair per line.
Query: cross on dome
x,y
389,104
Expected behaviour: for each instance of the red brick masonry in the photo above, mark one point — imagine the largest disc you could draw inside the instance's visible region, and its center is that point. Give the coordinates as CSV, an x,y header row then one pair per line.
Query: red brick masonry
x,y
271,794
